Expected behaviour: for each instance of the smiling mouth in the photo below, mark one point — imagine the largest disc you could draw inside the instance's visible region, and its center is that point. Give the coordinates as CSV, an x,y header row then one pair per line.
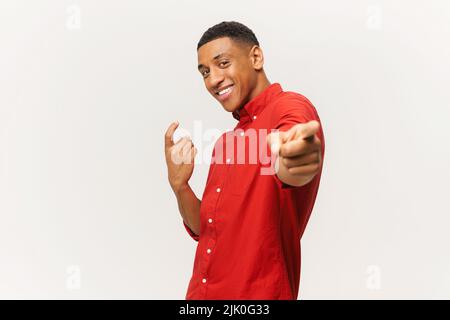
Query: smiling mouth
x,y
225,93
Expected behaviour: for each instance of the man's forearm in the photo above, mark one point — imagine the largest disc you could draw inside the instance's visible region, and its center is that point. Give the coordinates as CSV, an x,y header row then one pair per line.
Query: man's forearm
x,y
189,206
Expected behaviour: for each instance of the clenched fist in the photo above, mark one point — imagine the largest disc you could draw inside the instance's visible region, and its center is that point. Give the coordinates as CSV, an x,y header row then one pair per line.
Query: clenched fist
x,y
179,158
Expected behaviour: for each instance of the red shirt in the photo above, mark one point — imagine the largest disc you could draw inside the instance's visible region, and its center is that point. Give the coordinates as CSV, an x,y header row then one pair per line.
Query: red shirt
x,y
251,224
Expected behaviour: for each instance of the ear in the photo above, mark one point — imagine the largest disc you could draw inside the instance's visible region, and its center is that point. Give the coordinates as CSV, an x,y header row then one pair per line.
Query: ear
x,y
256,57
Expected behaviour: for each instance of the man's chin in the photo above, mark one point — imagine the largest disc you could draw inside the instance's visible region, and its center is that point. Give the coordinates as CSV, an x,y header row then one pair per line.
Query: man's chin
x,y
229,108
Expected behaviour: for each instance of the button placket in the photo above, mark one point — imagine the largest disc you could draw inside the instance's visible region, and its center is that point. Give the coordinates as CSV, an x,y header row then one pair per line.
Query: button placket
x,y
211,222
209,249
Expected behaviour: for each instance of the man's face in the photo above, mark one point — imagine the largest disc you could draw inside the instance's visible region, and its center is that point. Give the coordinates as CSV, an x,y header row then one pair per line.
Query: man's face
x,y
227,70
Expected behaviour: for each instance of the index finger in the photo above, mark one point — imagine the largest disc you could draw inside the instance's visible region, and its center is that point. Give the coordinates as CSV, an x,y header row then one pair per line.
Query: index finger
x,y
299,147
169,134
309,129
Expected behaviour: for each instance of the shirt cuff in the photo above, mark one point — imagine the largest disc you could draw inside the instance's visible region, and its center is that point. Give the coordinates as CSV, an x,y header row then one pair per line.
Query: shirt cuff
x,y
190,232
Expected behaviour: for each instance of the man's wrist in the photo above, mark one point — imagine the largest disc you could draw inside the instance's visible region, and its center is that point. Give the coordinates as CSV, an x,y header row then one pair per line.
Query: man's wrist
x,y
179,188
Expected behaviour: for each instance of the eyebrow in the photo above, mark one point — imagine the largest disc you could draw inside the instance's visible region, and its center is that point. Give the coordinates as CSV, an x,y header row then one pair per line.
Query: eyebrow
x,y
215,58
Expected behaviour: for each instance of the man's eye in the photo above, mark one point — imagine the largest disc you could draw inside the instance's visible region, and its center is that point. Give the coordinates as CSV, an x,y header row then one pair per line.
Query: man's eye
x,y
204,73
223,63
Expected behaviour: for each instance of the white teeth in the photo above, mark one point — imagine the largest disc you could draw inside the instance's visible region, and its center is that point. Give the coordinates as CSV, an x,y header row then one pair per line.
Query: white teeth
x,y
224,91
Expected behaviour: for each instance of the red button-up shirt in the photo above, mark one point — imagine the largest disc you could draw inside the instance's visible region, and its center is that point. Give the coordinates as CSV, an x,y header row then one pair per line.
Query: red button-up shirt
x,y
251,223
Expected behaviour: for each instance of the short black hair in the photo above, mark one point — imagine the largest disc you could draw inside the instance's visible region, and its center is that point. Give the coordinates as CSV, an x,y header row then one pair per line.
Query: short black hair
x,y
232,29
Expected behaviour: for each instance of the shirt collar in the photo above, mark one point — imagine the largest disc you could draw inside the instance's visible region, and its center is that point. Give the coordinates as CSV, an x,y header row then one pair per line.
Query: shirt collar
x,y
252,108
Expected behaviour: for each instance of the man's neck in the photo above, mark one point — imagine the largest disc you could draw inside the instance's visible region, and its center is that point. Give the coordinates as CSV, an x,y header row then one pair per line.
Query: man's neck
x,y
260,87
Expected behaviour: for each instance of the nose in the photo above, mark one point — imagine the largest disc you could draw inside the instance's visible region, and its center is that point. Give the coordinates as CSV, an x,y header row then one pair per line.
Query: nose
x,y
215,79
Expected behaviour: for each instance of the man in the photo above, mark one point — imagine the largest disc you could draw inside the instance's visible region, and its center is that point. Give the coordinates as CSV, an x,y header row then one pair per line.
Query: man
x,y
249,223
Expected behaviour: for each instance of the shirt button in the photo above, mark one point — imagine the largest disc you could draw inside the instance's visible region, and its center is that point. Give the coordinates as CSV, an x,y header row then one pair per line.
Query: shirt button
x,y
210,220
204,280
242,133
228,160
208,251
254,117
218,189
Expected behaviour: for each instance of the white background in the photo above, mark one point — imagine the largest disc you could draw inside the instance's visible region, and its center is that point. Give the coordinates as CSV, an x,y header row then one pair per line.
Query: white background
x,y
87,89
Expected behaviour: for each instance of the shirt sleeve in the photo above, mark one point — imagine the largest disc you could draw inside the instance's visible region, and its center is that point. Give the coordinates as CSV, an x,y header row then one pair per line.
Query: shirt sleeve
x,y
190,232
293,109
289,111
